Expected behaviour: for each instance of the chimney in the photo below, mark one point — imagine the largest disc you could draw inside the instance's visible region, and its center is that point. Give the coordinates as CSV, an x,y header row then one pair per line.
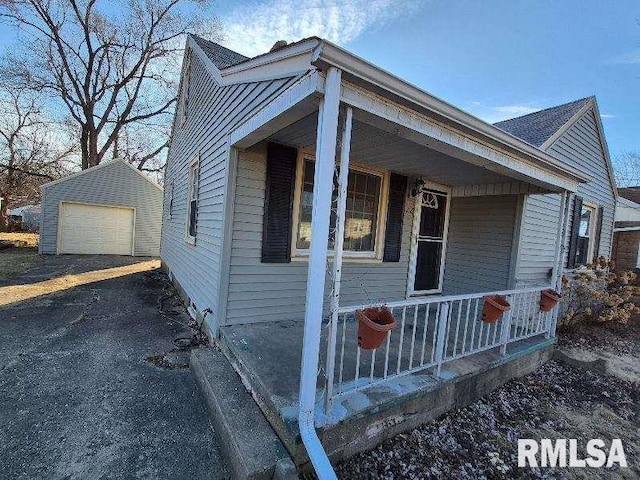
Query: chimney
x,y
278,45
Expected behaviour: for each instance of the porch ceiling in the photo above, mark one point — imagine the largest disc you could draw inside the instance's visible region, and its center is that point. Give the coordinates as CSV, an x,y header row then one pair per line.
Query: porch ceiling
x,y
388,150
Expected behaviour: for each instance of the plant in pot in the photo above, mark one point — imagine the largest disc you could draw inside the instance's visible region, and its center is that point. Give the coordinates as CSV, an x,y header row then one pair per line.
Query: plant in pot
x,y
493,308
373,325
548,299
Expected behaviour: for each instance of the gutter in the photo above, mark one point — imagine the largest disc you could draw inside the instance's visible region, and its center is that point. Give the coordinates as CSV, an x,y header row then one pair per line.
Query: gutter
x,y
327,54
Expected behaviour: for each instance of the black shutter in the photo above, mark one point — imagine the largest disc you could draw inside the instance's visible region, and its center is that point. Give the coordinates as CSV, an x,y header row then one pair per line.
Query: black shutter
x,y
575,230
278,203
395,212
596,249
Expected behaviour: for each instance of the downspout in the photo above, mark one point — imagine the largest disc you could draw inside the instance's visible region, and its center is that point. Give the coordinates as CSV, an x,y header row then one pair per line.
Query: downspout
x,y
321,210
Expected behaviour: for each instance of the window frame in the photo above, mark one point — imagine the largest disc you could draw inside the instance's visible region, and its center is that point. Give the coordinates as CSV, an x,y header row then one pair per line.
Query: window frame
x,y
194,168
183,100
376,254
593,220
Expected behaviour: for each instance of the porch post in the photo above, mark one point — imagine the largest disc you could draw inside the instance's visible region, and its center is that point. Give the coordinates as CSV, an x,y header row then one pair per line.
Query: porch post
x,y
321,211
343,179
565,207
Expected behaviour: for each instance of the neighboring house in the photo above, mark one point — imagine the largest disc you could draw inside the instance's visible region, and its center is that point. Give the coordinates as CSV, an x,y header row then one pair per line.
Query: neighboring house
x,y
111,208
28,216
626,236
431,210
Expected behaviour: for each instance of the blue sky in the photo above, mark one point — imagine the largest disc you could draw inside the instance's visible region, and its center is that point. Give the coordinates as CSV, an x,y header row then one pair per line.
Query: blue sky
x,y
494,58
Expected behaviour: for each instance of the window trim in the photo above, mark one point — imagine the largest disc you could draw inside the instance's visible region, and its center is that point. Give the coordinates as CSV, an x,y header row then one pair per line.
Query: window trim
x,y
184,91
194,165
381,218
413,252
593,220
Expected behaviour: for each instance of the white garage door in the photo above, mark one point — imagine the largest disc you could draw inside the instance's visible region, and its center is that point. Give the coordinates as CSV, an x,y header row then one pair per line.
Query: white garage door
x,y
95,229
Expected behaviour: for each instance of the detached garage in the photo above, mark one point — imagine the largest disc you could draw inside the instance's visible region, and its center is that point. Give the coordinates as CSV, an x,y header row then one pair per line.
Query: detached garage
x,y
110,209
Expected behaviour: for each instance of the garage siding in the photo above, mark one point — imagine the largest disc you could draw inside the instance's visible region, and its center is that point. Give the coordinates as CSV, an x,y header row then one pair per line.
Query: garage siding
x,y
113,184
212,114
579,147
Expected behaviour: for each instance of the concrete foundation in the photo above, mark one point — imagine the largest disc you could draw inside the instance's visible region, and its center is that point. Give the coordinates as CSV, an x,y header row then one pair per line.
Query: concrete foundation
x,y
267,357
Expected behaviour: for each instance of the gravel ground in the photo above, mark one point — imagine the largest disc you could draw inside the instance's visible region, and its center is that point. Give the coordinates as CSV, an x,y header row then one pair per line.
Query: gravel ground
x,y
556,401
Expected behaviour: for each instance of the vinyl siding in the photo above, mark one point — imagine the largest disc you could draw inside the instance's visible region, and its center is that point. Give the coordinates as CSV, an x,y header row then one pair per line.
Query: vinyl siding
x,y
112,184
260,292
479,243
212,113
579,147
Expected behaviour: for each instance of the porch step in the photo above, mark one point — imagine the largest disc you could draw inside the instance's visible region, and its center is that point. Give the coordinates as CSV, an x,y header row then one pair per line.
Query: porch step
x,y
249,443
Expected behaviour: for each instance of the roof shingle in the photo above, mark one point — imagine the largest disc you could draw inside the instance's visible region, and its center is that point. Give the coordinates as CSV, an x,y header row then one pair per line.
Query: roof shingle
x,y
537,127
221,56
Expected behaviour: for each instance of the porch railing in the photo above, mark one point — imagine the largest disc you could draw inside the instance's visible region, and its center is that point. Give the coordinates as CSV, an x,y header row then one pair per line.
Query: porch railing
x,y
431,331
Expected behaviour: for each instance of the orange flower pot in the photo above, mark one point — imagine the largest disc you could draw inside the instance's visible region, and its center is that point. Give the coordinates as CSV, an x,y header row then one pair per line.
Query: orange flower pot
x,y
493,308
373,325
548,300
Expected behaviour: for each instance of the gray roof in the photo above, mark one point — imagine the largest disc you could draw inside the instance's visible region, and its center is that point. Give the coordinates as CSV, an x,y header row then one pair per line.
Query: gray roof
x,y
537,127
221,56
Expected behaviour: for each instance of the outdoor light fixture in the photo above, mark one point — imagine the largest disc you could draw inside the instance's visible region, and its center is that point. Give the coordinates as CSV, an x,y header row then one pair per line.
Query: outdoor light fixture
x,y
418,186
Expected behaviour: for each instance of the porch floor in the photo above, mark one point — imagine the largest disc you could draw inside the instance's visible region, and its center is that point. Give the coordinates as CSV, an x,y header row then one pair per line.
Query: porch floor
x,y
268,357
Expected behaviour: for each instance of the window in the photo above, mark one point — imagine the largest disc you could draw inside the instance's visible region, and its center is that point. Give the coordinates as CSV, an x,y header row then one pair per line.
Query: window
x,y
184,91
586,234
362,220
192,208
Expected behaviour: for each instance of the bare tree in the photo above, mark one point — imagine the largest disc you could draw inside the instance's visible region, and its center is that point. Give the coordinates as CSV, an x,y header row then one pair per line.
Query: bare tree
x,y
627,169
30,153
111,65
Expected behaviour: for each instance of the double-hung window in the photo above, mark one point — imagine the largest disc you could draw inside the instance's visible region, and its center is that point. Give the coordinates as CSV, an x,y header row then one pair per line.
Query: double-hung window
x,y
362,230
192,199
586,234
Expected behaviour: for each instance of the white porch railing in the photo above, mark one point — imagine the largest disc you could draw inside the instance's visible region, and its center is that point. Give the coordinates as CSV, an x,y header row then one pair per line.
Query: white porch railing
x,y
430,332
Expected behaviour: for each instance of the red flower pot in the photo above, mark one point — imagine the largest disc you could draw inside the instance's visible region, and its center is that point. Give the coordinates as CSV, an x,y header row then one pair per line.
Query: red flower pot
x,y
548,299
373,325
493,308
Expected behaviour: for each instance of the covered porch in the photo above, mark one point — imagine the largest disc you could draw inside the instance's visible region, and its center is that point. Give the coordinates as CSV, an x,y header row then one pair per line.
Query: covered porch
x,y
408,209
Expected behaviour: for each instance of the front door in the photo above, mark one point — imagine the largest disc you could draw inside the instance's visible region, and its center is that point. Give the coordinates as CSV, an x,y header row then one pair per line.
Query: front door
x,y
428,242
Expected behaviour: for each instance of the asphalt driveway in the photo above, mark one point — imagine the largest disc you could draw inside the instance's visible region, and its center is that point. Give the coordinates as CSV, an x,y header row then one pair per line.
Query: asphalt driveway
x,y
79,396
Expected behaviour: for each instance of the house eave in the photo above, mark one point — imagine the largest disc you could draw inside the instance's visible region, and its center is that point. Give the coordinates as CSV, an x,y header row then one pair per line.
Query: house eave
x,y
327,54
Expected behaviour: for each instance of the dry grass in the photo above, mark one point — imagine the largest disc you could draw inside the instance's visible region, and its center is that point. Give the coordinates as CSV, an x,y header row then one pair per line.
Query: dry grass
x,y
19,258
28,240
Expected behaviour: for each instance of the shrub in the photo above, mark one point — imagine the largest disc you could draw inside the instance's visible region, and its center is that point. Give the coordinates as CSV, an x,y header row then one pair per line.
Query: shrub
x,y
596,293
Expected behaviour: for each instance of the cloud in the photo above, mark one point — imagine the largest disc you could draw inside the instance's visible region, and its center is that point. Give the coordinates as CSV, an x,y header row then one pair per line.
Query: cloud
x,y
253,28
628,58
607,115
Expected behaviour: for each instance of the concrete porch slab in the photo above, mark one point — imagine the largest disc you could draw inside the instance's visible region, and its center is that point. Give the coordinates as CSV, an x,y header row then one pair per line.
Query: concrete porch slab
x,y
268,355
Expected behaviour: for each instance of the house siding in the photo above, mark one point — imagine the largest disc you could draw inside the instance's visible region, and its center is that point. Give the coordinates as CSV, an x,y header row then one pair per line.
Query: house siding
x,y
479,243
579,147
212,113
114,184
260,292
478,257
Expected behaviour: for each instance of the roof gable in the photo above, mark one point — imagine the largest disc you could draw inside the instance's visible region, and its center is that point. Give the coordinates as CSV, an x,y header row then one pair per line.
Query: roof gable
x,y
538,127
100,166
221,56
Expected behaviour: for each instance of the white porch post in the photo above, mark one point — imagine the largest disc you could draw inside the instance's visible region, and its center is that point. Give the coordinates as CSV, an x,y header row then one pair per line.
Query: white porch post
x,y
321,211
565,208
343,179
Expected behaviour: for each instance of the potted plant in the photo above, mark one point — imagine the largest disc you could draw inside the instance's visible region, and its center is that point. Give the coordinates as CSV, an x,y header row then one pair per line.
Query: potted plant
x,y
493,308
548,299
373,325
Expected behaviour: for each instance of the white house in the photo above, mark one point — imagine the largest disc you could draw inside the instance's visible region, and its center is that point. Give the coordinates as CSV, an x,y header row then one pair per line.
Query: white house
x,y
306,183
